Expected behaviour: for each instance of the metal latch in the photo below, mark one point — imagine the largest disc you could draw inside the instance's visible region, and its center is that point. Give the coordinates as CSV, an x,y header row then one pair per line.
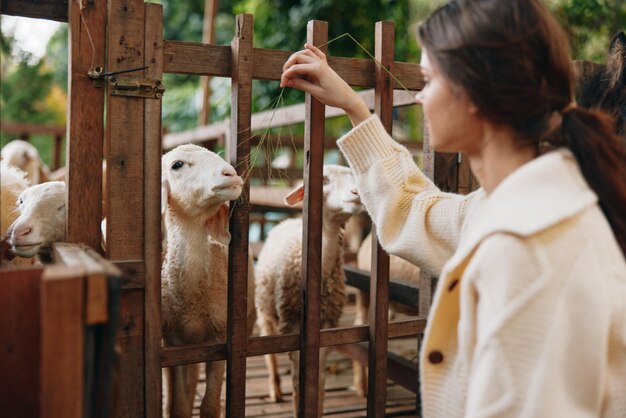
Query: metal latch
x,y
136,87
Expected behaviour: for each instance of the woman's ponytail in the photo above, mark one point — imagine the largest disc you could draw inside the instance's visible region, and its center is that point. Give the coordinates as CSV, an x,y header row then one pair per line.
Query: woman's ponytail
x,y
601,155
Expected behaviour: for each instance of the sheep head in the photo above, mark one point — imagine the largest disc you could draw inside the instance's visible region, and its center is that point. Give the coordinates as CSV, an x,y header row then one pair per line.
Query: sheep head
x,y
41,221
196,183
340,194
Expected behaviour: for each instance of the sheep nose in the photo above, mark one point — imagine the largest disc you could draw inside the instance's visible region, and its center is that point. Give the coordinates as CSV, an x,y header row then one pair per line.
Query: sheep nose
x,y
22,231
229,172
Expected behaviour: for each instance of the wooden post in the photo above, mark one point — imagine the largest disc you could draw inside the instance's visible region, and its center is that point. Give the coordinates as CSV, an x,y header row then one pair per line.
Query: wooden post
x,y
62,342
20,339
208,35
56,155
239,154
152,203
85,128
317,34
125,201
379,281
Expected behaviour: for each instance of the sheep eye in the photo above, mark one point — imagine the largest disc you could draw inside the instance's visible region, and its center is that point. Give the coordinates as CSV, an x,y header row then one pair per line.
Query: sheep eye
x,y
61,207
325,180
20,201
177,165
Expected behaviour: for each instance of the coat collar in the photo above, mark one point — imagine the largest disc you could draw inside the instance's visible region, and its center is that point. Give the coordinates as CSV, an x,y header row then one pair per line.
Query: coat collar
x,y
537,195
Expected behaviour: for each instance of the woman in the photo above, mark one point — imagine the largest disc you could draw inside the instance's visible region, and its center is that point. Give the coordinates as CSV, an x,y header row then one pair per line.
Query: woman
x,y
529,317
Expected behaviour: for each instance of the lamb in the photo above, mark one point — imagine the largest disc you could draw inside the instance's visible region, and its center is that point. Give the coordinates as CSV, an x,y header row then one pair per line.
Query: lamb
x,y
12,183
279,269
41,221
23,155
196,185
398,269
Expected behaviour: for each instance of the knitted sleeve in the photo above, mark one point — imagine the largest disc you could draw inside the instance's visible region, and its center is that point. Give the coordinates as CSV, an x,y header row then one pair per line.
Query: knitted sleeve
x,y
414,219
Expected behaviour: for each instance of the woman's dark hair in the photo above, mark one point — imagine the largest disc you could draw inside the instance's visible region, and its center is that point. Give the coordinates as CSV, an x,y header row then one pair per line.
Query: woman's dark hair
x,y
512,59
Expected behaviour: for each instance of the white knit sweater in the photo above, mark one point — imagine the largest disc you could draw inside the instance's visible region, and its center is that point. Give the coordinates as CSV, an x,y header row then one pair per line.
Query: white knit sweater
x,y
529,316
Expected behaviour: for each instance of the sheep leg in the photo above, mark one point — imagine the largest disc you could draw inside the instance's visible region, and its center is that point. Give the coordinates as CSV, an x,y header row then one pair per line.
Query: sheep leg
x,y
276,394
294,356
267,327
182,381
322,380
360,371
211,406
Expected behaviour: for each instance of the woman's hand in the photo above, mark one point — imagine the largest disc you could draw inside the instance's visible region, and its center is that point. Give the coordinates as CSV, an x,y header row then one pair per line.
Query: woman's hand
x,y
308,70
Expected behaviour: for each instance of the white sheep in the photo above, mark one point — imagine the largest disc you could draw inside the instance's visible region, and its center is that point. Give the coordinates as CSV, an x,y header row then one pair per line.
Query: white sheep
x,y
23,155
12,183
41,221
279,273
197,183
399,268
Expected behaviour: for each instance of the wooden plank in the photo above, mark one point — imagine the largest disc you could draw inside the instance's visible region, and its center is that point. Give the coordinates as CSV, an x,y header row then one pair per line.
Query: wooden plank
x,y
62,342
43,9
189,354
208,37
379,287
20,341
125,136
125,198
31,128
317,34
152,215
239,155
214,60
399,370
134,273
284,116
399,291
130,391
96,299
56,152
85,130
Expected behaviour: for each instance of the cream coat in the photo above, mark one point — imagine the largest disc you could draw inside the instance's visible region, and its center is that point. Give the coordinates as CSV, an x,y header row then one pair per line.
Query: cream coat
x,y
529,315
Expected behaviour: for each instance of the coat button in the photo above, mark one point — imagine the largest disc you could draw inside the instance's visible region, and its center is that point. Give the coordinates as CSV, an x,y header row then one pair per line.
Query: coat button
x,y
453,284
435,357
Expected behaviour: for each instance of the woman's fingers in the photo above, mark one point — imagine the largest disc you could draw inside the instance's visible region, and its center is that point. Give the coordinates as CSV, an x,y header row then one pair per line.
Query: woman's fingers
x,y
302,56
315,50
298,71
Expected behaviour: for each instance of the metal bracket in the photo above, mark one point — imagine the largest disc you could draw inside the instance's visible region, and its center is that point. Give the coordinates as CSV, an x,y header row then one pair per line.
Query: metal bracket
x,y
136,87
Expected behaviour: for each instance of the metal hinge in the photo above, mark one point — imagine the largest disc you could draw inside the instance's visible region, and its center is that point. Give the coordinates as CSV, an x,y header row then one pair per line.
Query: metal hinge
x,y
136,87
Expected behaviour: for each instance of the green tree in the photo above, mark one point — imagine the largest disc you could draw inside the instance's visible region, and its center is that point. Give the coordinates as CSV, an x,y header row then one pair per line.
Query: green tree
x,y
590,25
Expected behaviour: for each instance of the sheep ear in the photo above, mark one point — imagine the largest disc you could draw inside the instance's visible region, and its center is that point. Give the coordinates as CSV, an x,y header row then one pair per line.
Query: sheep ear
x,y
165,192
217,225
295,196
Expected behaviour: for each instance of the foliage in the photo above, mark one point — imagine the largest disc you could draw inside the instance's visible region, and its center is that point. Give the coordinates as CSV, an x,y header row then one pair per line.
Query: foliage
x,y
34,91
590,24
29,93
